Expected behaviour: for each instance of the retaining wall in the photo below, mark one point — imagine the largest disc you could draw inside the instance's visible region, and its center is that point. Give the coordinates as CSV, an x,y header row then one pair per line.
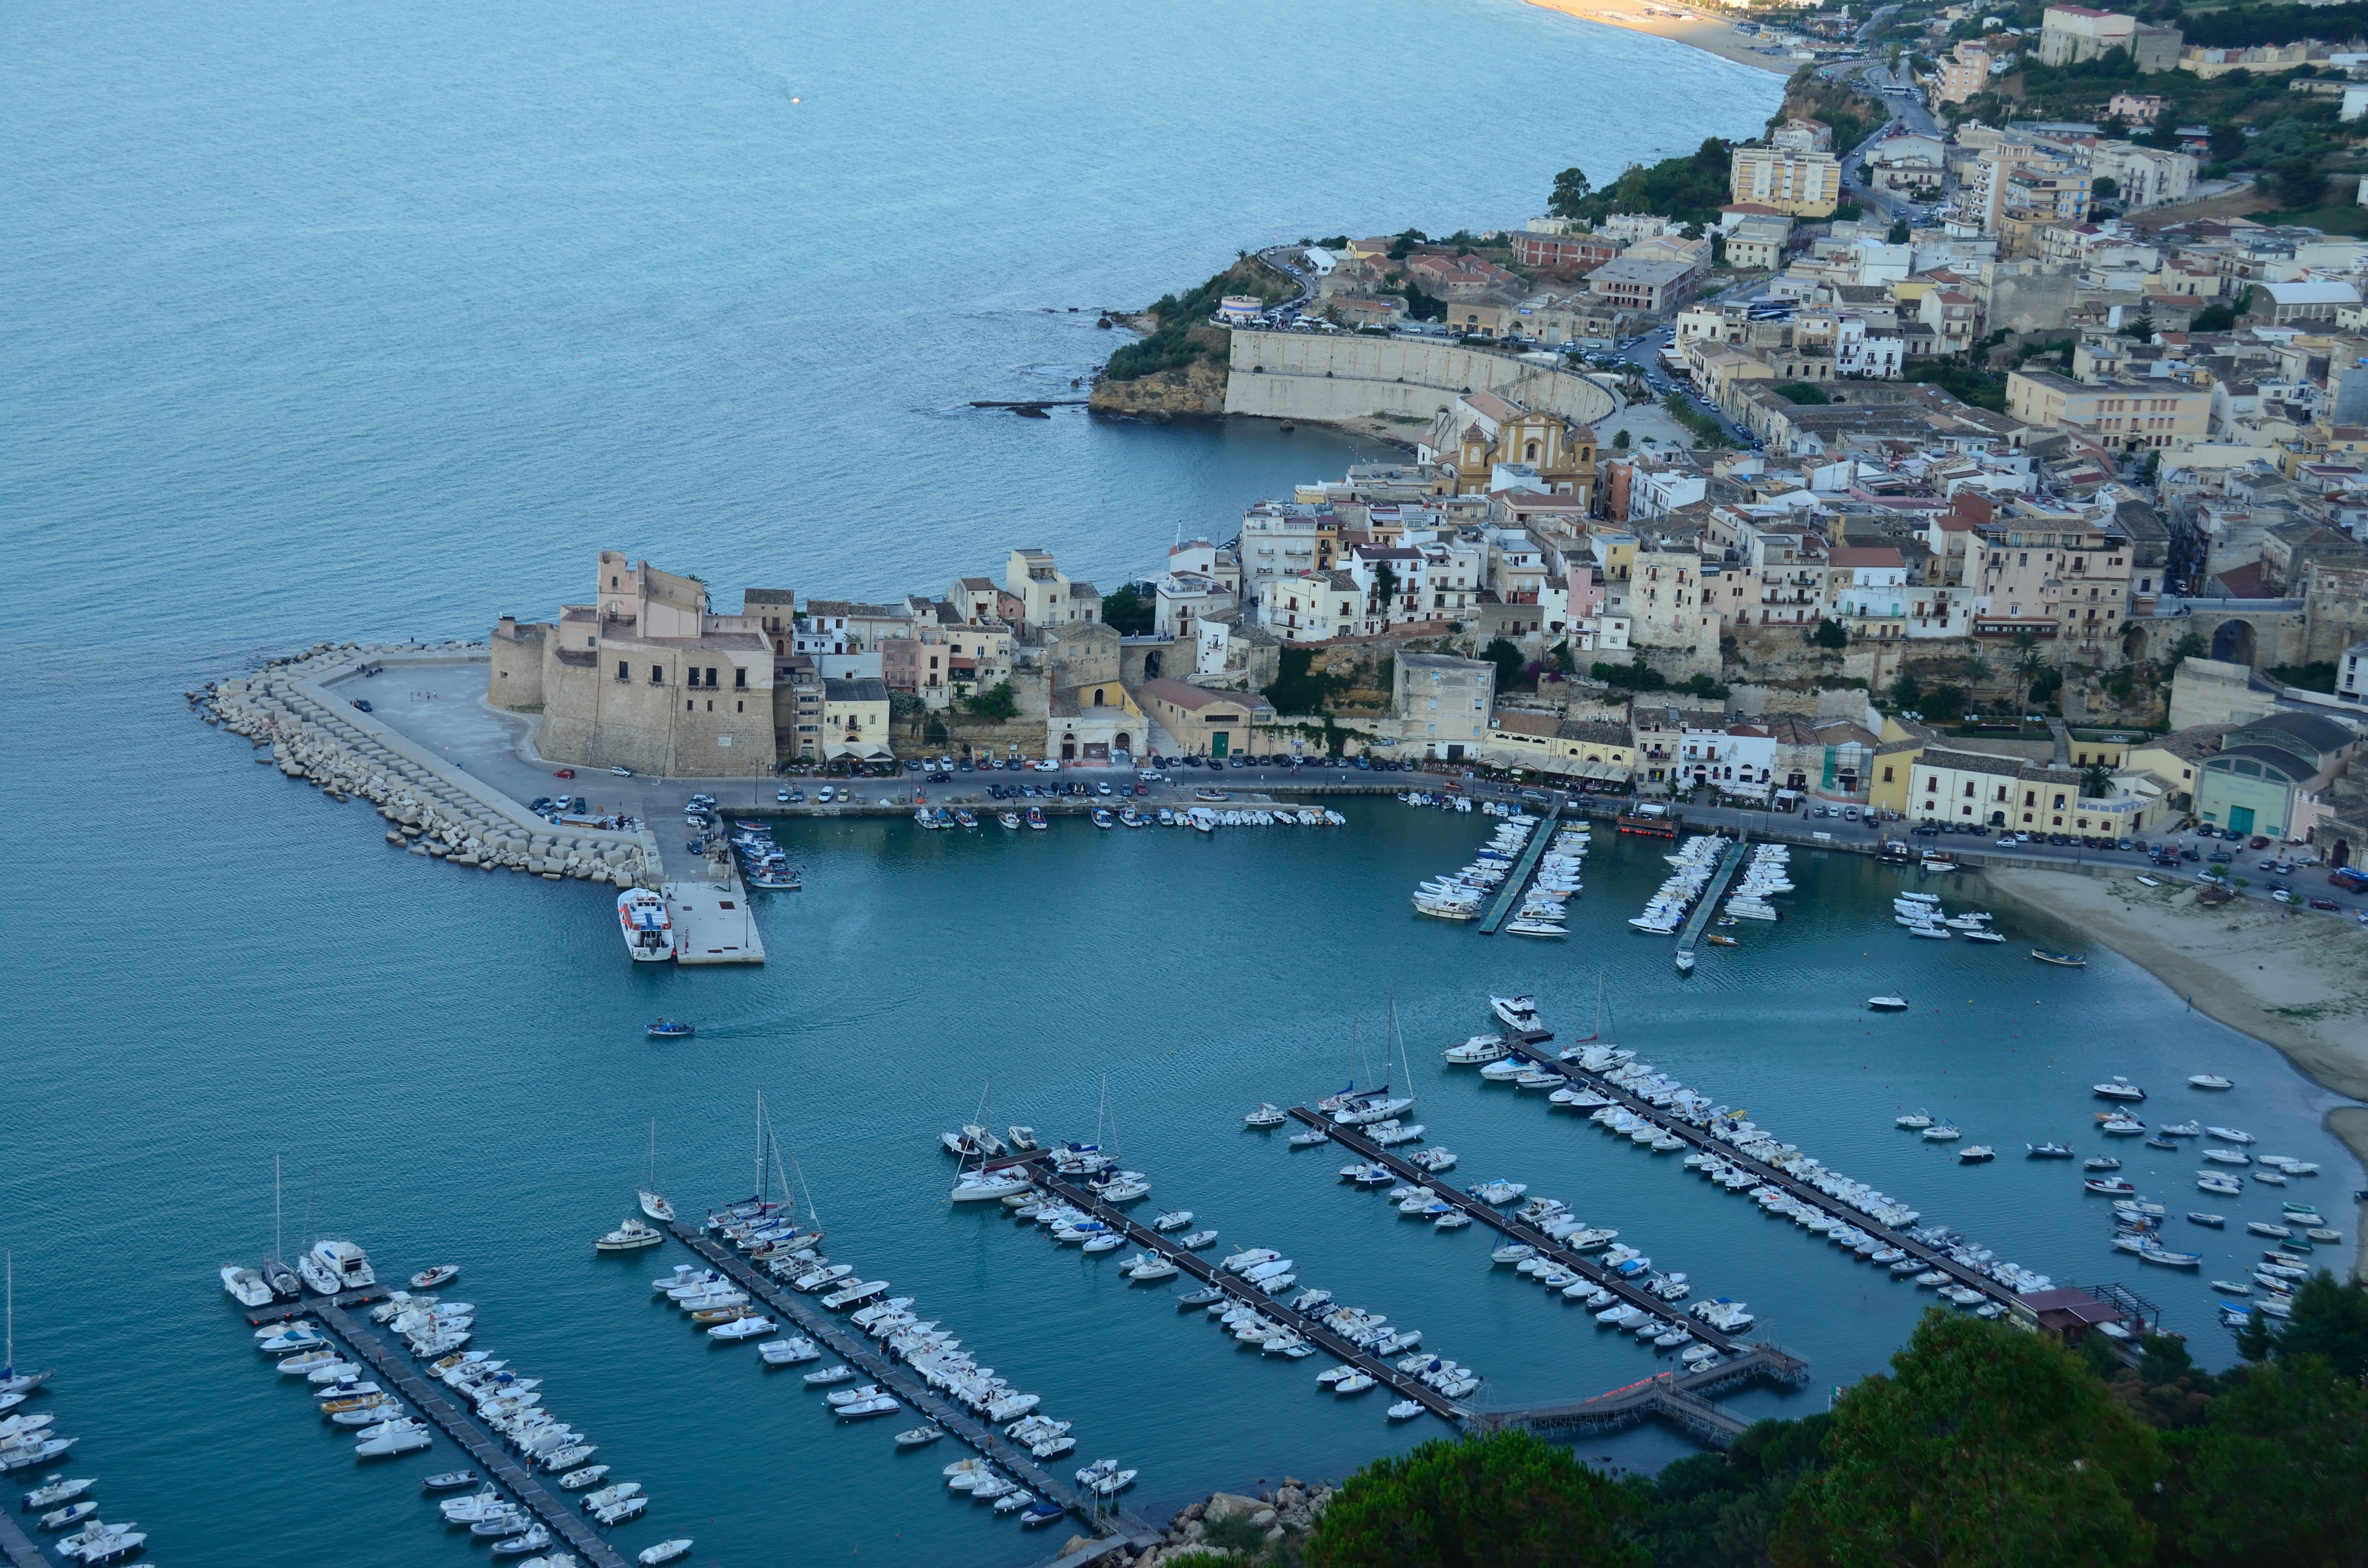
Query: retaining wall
x,y
1290,375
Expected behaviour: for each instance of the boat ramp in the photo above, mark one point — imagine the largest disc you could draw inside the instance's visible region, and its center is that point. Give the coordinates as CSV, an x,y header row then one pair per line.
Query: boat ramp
x,y
498,1462
1541,834
860,1351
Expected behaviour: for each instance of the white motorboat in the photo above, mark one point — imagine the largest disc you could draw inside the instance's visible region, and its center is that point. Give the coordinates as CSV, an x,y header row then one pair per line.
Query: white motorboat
x,y
1193,1240
789,1352
1173,1220
1153,1266
647,925
246,1286
1518,1012
2229,1135
1266,1116
2120,1088
743,1328
664,1552
2209,1081
401,1437
1480,1050
630,1235
332,1267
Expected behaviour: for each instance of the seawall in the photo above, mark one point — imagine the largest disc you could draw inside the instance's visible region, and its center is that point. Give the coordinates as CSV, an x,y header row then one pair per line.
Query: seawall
x,y
1292,375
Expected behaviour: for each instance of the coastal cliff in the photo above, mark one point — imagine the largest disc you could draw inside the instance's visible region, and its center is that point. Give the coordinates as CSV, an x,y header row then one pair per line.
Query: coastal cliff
x,y
1195,390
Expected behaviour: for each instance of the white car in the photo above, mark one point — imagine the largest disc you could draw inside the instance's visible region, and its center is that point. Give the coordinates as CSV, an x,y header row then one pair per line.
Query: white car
x,y
1048,765
623,772
782,796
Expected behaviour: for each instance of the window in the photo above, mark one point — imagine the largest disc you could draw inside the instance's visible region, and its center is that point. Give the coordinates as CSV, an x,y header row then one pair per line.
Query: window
x,y
624,670
658,675
740,678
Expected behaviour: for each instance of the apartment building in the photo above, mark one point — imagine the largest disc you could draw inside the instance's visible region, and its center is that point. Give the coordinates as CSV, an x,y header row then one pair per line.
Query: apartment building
x,y
2129,414
1798,184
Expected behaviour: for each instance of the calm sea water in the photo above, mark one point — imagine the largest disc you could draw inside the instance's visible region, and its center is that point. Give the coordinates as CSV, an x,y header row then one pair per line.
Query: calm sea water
x,y
339,323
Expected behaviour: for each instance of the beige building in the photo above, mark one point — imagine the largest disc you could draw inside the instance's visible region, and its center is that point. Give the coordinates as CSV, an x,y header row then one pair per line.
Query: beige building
x,y
642,677
2131,416
1442,704
1479,430
1046,595
855,720
1966,71
1799,184
2063,578
1204,722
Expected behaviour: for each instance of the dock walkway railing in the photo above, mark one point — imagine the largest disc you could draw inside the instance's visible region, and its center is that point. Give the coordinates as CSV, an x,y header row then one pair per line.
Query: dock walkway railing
x,y
17,1547
1682,1398
882,1368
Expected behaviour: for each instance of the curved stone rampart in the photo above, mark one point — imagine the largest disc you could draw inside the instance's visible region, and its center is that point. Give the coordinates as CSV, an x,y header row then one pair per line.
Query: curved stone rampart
x,y
1294,375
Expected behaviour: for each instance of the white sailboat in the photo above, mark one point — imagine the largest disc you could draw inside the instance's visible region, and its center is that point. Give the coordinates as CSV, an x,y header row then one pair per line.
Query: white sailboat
x,y
654,1203
12,1381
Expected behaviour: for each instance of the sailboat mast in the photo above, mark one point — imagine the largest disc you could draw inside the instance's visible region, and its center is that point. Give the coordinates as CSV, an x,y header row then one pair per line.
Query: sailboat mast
x,y
278,1239
761,1145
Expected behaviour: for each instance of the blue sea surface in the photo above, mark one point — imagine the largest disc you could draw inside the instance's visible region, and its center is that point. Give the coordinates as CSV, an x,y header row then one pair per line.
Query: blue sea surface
x,y
372,322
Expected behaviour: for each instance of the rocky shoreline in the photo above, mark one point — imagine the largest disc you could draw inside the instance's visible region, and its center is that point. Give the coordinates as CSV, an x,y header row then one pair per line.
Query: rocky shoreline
x,y
1268,1517
345,754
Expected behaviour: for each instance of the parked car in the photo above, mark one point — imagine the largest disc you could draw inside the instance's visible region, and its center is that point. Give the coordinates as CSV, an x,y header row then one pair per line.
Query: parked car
x,y
2325,903
2260,841
1048,765
563,773
363,703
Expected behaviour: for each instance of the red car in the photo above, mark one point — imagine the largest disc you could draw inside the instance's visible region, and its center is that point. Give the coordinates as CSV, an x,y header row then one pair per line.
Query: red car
x,y
565,772
2260,842
2327,904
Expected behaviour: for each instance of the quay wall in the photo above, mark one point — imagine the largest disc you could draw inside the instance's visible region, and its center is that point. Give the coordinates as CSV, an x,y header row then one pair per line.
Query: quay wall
x,y
591,718
1294,375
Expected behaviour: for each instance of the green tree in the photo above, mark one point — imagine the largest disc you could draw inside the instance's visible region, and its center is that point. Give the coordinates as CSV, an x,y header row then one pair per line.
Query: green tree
x,y
1570,192
1130,609
2330,1320
1986,1444
2104,188
1297,688
1620,441
1511,662
1830,634
1637,677
1507,1500
1905,690
2300,183
2191,645
2142,328
1945,702
2096,779
1898,234
1718,1508
1807,393
2279,1471
998,702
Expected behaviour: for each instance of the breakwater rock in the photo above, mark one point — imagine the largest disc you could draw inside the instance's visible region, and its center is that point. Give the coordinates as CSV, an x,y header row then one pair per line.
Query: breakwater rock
x,y
345,755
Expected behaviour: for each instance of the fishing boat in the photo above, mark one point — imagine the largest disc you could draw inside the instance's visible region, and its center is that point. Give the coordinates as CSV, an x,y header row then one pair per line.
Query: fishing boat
x,y
2061,961
630,1235
648,927
1101,817
2111,1186
1036,818
1008,819
965,819
671,1028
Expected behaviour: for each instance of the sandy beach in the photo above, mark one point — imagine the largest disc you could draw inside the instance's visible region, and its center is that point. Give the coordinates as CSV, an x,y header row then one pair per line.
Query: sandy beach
x,y
1709,36
2300,984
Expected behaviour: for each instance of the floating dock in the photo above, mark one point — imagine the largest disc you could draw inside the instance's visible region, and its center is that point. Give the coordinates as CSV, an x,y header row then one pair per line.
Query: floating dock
x,y
859,1350
1540,836
17,1547
1497,1219
395,1369
1707,909
1824,1201
1249,1295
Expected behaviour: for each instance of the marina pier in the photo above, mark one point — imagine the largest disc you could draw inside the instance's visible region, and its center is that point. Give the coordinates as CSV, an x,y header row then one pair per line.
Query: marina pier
x,y
1541,834
1932,1258
1241,1290
459,1425
882,1369
1513,1230
17,1547
1681,1398
1706,910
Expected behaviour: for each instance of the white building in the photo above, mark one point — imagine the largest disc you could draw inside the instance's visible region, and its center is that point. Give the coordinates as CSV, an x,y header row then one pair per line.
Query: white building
x,y
1867,590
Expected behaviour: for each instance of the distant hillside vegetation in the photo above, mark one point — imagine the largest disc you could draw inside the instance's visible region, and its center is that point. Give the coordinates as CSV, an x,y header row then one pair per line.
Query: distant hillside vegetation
x,y
1174,344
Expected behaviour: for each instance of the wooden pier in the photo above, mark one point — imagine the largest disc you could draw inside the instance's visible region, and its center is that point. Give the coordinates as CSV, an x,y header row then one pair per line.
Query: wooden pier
x,y
1825,1202
1681,1398
861,1351
1729,864
394,1371
1547,1247
1241,1290
1540,836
